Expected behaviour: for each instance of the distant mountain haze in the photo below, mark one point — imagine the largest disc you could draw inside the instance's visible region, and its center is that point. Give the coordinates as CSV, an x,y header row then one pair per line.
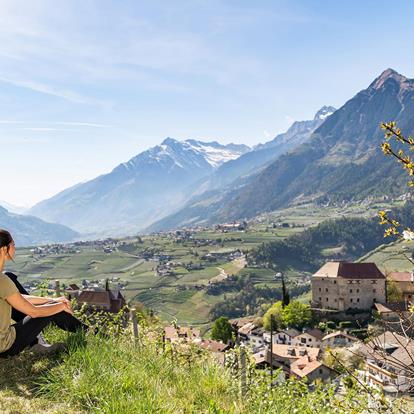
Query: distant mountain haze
x,y
251,162
12,208
30,231
139,191
299,130
341,160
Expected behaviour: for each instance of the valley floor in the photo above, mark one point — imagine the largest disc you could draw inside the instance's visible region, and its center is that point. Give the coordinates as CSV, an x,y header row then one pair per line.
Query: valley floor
x,y
170,272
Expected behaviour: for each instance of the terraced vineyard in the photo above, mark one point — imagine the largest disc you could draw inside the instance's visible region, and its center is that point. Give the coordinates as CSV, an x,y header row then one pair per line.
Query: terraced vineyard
x,y
180,293
393,257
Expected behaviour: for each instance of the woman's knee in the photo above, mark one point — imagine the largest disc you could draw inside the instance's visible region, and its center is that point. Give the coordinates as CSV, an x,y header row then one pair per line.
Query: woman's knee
x,y
61,315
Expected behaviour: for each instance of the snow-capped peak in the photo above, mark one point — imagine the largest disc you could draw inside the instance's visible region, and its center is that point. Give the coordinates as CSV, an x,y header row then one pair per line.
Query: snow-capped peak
x,y
188,154
324,112
214,153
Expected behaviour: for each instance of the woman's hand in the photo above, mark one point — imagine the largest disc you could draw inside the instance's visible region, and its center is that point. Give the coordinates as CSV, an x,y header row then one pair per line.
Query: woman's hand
x,y
62,299
67,307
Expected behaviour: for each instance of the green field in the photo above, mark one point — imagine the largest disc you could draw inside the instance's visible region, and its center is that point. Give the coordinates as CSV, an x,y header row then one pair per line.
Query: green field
x,y
182,295
393,257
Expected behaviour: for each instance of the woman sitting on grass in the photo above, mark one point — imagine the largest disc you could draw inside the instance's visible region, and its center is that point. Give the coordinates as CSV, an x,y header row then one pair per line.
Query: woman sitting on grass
x,y
31,313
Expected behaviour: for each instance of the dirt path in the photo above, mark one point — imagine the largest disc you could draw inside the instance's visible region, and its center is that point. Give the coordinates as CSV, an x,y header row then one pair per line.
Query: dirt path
x,y
131,266
221,276
239,264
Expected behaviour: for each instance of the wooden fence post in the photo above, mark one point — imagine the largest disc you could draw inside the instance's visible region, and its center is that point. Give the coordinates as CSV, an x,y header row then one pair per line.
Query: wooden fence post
x,y
271,349
134,324
57,287
243,371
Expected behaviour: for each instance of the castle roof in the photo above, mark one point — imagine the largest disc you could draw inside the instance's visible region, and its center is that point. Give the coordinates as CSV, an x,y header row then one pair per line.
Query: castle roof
x,y
350,271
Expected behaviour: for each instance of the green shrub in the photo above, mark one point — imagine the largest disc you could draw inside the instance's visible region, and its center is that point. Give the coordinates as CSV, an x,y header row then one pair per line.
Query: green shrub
x,y
359,333
331,325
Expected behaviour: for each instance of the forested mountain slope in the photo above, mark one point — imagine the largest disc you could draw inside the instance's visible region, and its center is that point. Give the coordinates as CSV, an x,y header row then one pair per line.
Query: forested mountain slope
x,y
342,160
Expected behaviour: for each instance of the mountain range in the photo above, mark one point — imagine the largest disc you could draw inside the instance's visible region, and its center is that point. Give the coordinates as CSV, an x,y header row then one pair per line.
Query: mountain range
x,y
31,231
334,156
161,180
140,191
256,159
341,160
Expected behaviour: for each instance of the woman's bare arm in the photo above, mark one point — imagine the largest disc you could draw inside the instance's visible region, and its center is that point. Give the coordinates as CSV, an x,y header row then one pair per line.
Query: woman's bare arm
x,y
38,300
17,301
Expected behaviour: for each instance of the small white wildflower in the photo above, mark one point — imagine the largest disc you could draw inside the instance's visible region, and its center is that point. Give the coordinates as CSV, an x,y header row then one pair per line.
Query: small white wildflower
x,y
408,235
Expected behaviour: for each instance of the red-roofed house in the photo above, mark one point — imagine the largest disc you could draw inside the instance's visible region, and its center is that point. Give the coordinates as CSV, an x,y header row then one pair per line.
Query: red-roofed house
x,y
108,300
217,348
404,281
311,368
296,361
285,354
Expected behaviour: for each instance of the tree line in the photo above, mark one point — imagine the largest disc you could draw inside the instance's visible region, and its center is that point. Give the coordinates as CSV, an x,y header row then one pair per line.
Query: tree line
x,y
355,237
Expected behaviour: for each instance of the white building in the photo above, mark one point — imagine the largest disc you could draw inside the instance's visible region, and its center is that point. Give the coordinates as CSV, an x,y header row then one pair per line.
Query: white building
x,y
338,339
286,336
389,363
309,338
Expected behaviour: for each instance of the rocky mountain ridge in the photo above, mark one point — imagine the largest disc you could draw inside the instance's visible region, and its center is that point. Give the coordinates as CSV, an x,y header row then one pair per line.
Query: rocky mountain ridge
x,y
342,160
135,193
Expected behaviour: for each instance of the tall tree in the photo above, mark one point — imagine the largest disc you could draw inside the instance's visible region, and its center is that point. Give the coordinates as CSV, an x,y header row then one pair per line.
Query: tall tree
x,y
221,330
275,312
297,315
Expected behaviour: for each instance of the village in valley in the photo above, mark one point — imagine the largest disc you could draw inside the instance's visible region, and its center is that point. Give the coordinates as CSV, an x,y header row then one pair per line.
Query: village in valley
x,y
343,295
354,308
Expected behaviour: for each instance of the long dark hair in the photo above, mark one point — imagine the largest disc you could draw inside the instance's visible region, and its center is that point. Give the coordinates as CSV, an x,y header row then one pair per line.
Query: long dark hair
x,y
5,239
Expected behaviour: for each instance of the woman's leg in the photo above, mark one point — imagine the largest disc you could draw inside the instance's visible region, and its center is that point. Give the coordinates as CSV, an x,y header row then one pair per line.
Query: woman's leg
x,y
28,329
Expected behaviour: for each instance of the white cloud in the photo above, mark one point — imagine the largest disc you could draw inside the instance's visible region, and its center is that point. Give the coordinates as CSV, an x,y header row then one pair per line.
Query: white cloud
x,y
24,140
51,90
47,128
55,46
86,124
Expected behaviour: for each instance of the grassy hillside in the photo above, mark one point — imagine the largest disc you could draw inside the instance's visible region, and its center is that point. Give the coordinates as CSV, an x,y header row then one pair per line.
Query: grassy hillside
x,y
345,238
118,376
392,257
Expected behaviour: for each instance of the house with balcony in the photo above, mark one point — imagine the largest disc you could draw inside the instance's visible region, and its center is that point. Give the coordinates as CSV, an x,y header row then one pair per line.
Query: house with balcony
x,y
389,363
338,339
404,282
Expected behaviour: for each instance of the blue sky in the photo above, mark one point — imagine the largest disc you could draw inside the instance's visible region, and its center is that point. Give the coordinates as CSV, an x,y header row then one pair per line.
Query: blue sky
x,y
85,85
